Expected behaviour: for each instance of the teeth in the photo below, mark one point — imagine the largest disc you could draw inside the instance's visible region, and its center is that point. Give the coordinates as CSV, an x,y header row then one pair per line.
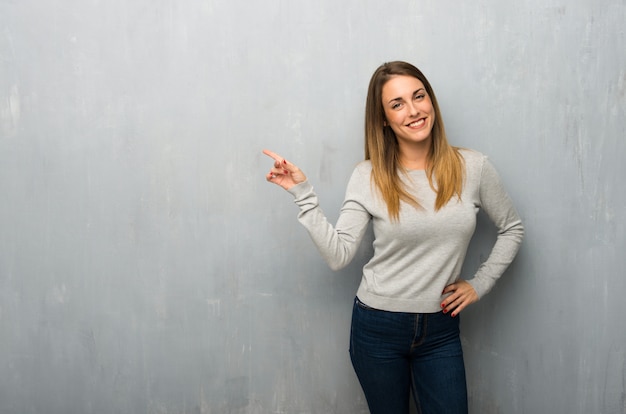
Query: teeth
x,y
417,123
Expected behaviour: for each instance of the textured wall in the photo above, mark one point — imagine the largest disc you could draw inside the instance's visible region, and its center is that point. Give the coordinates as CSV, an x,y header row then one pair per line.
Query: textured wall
x,y
147,267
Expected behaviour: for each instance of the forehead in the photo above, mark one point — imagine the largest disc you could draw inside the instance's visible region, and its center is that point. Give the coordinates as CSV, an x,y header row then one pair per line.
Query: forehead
x,y
399,86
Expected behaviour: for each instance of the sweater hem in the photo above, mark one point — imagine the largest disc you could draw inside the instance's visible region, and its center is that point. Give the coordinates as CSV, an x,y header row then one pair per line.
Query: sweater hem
x,y
399,305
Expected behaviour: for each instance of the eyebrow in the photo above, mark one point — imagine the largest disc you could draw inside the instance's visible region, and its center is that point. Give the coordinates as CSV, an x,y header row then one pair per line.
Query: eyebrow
x,y
399,98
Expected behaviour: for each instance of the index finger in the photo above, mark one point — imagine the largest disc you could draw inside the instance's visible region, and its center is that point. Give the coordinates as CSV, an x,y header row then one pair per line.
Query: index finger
x,y
450,288
275,156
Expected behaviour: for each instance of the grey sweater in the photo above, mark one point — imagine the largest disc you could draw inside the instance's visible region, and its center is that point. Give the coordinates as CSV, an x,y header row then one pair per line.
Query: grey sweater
x,y
421,253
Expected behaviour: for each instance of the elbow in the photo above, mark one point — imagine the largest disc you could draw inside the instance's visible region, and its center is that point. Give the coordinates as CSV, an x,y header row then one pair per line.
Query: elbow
x,y
338,255
520,237
518,231
338,262
515,228
336,266
514,232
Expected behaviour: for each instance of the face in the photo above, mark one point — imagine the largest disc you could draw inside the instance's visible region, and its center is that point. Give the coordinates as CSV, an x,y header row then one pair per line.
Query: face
x,y
408,109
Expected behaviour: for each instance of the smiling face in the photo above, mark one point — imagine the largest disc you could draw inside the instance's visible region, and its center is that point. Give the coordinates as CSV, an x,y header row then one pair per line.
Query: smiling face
x,y
408,110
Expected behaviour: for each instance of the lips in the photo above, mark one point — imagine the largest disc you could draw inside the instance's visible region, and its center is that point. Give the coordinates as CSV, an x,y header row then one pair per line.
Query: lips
x,y
417,124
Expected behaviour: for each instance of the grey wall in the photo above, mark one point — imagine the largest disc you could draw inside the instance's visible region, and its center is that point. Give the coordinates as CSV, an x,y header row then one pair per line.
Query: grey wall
x,y
147,267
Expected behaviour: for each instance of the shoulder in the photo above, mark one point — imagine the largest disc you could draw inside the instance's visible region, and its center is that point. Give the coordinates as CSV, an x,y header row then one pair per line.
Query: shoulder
x,y
361,176
479,169
364,166
471,155
363,169
474,160
476,163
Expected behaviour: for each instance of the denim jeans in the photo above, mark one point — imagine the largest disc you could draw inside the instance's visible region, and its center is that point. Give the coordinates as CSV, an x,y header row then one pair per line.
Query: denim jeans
x,y
395,354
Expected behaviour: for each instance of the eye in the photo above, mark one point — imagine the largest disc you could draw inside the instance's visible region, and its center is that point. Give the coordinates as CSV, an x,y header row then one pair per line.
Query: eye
x,y
419,96
396,105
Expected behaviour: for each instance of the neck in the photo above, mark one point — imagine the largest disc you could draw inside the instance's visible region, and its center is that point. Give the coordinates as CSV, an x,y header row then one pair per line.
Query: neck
x,y
415,156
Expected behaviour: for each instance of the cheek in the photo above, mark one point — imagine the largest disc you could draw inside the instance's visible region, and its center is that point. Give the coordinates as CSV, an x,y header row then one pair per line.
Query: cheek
x,y
431,112
392,118
397,130
431,109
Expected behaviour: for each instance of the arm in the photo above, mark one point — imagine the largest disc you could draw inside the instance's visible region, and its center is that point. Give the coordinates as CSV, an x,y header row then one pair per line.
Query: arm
x,y
337,245
499,207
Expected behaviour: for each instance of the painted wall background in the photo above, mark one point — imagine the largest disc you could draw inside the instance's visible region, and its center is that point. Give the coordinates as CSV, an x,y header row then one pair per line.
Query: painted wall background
x,y
147,267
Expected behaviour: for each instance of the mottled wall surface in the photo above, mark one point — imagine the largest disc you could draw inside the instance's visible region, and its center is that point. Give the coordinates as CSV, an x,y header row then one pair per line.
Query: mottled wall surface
x,y
147,267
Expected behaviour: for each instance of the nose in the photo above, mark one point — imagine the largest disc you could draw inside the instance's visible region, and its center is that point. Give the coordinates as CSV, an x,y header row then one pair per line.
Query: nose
x,y
413,110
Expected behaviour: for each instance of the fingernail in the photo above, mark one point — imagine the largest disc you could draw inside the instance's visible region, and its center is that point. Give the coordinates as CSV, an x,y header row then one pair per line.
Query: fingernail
x,y
286,172
453,315
443,305
445,311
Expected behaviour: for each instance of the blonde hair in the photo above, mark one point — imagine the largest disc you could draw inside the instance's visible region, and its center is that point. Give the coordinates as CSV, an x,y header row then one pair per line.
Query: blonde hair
x,y
444,162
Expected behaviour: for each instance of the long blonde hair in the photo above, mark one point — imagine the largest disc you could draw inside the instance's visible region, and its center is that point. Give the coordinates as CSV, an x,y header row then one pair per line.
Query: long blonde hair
x,y
444,161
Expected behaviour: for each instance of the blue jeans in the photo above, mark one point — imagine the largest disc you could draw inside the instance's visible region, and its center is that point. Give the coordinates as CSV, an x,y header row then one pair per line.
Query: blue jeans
x,y
394,353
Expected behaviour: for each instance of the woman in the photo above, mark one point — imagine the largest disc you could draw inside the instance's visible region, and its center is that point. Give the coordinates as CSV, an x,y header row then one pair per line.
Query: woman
x,y
422,196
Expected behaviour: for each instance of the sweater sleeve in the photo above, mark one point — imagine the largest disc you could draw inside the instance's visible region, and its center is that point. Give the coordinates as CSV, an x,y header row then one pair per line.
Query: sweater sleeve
x,y
500,210
337,244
